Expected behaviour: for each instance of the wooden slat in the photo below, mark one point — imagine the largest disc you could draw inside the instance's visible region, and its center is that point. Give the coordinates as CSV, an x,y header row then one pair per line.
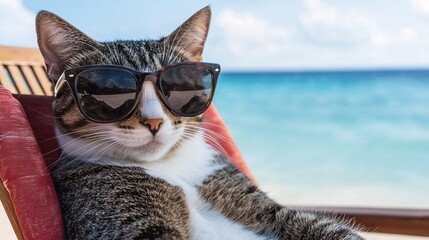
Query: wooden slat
x,y
20,54
10,211
43,79
395,221
19,80
32,80
4,80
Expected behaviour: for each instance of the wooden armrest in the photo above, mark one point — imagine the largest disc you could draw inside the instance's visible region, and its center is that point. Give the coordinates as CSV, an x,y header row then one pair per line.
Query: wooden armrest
x,y
383,220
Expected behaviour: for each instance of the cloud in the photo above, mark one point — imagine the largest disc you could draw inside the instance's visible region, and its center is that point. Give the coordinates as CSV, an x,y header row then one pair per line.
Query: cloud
x,y
16,24
319,34
331,25
408,34
245,34
421,5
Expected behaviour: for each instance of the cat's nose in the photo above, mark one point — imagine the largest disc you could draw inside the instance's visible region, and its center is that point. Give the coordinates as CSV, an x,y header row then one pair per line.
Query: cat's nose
x,y
153,124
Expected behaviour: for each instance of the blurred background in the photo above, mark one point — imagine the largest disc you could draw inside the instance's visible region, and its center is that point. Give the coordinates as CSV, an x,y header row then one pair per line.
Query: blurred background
x,y
328,100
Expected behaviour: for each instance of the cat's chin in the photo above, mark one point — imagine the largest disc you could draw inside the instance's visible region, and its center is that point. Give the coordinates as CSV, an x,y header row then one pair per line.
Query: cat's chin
x,y
150,152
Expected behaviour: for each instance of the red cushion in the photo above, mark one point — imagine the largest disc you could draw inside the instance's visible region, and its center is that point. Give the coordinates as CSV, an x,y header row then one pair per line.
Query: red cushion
x,y
25,175
39,114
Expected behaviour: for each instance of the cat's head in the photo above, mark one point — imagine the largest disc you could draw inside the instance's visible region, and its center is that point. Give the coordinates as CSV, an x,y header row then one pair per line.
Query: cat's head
x,y
63,46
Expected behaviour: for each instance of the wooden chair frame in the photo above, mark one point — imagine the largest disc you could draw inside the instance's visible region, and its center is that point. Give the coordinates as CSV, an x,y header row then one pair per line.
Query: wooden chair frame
x,y
22,70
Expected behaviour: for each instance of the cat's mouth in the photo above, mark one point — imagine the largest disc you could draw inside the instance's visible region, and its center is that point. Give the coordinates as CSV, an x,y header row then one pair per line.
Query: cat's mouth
x,y
154,144
150,151
135,142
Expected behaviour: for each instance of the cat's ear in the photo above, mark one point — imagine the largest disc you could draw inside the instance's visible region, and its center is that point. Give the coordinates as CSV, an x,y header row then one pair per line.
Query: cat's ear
x,y
58,41
190,37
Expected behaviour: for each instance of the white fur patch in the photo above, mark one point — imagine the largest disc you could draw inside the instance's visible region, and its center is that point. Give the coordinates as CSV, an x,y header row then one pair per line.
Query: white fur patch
x,y
188,169
212,224
151,105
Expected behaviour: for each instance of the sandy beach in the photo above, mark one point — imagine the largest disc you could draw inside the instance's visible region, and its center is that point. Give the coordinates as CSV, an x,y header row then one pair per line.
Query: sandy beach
x,y
6,231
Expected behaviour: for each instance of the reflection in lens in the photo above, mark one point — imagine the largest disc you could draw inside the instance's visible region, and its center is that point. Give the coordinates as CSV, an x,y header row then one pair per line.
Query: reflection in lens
x,y
187,88
106,94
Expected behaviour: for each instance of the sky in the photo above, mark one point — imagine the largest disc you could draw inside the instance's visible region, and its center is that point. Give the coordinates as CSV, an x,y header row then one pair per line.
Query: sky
x,y
253,35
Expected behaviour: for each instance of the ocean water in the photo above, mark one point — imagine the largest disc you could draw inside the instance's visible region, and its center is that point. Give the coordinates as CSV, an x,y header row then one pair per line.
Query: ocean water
x,y
333,138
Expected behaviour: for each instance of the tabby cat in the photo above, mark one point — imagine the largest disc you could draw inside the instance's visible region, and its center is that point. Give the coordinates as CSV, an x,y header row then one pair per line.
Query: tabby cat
x,y
149,173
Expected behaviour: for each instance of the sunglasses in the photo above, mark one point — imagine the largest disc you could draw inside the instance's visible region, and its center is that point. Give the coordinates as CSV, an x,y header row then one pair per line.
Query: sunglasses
x,y
110,93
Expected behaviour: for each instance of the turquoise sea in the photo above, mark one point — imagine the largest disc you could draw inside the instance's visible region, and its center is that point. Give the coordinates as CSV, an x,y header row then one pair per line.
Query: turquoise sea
x,y
352,138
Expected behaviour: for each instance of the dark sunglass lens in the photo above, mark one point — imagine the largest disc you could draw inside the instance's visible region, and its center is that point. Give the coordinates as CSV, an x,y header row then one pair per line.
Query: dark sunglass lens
x,y
106,95
187,89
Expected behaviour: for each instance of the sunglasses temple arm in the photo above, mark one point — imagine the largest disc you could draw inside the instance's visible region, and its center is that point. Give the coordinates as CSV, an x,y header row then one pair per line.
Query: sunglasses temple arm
x,y
60,84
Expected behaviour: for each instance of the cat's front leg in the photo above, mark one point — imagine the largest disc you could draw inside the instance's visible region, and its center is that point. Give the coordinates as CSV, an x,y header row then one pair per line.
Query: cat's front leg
x,y
232,194
293,224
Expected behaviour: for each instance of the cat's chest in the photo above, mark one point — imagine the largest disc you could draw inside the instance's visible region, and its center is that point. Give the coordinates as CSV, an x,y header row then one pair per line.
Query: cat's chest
x,y
206,223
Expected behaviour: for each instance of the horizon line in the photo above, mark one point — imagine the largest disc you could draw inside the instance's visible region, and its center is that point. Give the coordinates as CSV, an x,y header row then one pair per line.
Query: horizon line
x,y
329,70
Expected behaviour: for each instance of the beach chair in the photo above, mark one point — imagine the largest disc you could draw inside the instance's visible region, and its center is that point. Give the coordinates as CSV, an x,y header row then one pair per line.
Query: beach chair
x,y
28,147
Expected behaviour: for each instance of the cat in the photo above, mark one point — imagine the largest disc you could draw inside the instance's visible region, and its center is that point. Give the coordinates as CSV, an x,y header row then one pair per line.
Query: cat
x,y
132,179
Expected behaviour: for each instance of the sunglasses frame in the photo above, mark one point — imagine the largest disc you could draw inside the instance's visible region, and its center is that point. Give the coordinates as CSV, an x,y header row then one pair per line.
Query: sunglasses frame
x,y
69,76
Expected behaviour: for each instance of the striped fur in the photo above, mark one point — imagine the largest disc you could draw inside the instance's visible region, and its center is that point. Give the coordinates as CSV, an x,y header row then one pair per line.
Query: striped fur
x,y
120,181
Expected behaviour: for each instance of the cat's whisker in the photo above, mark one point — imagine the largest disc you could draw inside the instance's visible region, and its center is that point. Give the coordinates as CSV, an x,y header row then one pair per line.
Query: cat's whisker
x,y
209,123
211,132
190,133
96,155
101,152
70,134
217,148
202,124
63,154
66,144
73,133
83,137
86,138
102,144
220,136
214,143
39,112
91,141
